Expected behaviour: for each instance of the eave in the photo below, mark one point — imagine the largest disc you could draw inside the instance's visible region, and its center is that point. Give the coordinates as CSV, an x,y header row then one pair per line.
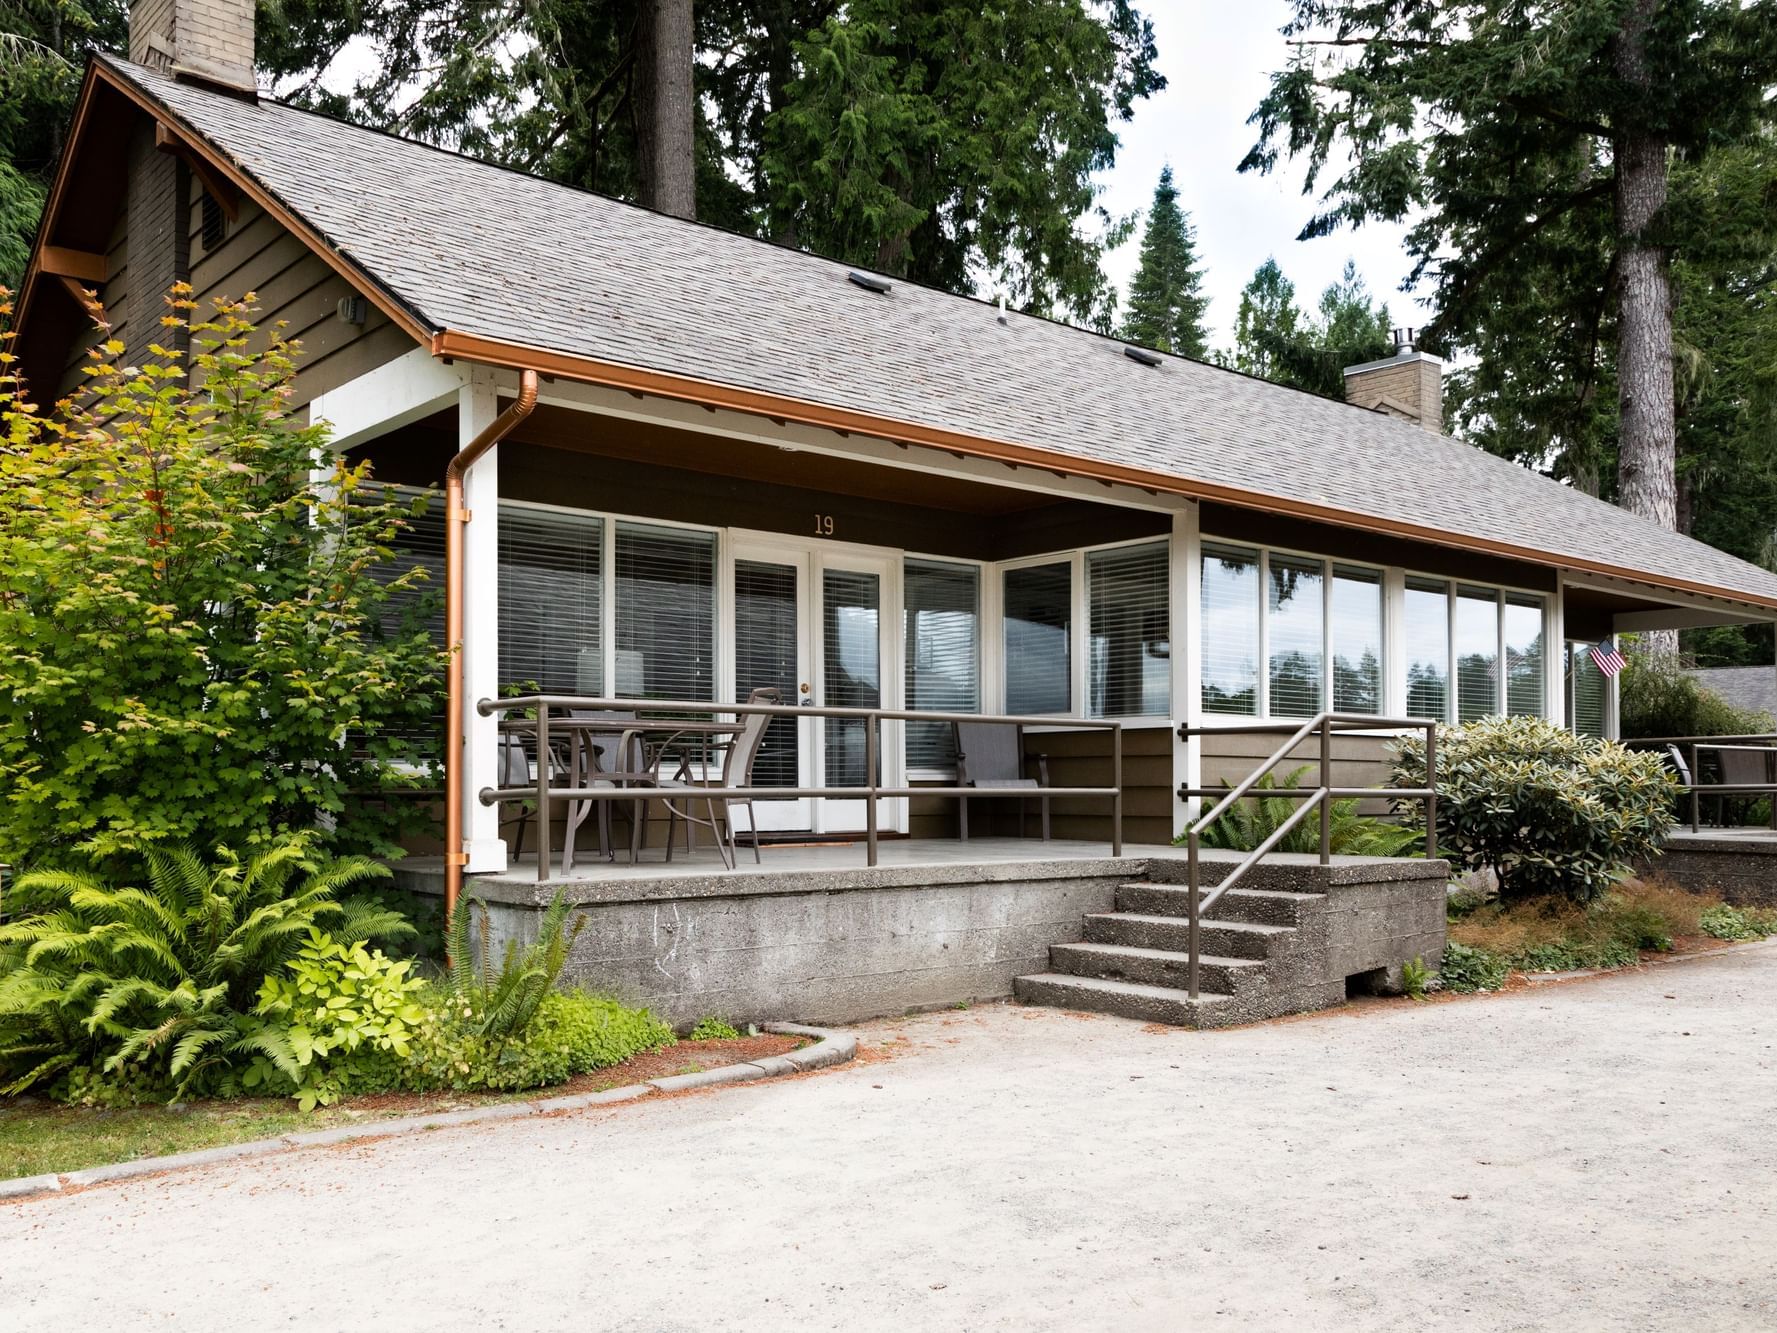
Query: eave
x,y
455,344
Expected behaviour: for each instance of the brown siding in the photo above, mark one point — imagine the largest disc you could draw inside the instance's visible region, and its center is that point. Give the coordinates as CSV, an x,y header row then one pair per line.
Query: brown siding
x,y
114,295
1358,761
294,287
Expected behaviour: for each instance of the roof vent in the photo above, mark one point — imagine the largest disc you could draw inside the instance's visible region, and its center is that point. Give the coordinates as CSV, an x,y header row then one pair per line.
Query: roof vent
x,y
1142,355
869,281
1403,340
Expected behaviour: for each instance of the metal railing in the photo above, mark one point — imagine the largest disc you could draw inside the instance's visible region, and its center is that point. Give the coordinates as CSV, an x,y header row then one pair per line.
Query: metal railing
x,y
871,790
1318,797
1692,748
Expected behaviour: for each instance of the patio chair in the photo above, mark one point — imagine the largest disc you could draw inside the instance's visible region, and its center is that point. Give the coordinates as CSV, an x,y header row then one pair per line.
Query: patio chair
x,y
1742,768
990,758
606,759
737,771
518,769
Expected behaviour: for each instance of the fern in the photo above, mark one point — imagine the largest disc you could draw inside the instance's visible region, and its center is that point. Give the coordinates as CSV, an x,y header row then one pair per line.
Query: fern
x,y
1249,821
154,980
504,1000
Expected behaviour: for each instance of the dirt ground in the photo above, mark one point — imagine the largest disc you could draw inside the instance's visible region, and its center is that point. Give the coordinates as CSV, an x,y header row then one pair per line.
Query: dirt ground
x,y
1591,1155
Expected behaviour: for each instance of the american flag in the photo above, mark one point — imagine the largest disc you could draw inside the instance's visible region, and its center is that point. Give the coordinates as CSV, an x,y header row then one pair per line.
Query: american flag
x,y
1609,660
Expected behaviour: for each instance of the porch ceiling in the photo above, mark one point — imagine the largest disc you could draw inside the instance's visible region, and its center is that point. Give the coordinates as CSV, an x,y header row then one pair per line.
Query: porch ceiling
x,y
427,446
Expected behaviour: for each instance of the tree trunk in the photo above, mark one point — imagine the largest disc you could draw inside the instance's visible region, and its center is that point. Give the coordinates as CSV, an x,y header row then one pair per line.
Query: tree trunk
x,y
666,107
1647,480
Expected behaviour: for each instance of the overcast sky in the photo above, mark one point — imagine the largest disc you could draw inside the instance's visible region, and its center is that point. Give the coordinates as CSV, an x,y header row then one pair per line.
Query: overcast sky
x,y
1216,55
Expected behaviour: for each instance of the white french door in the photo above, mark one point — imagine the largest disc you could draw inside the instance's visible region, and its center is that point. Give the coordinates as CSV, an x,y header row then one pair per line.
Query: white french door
x,y
817,621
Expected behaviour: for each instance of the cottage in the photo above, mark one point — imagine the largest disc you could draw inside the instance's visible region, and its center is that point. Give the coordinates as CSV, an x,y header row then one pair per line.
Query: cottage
x,y
707,465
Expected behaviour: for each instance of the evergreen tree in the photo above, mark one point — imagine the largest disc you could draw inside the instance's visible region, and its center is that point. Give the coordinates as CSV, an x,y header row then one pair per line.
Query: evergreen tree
x,y
1273,339
1268,320
1532,147
41,46
936,139
1166,301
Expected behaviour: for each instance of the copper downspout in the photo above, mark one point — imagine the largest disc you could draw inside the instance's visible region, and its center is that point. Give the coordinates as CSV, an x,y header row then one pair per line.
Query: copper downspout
x,y
456,519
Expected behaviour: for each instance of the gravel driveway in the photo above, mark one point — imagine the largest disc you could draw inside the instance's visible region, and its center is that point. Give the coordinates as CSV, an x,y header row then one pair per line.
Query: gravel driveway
x,y
1597,1154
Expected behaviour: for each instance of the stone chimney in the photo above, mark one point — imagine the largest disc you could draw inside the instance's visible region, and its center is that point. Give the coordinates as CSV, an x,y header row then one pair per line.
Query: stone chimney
x,y
1409,384
198,41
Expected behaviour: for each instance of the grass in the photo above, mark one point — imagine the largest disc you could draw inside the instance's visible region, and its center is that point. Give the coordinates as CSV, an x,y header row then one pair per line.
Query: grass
x,y
1561,937
39,1136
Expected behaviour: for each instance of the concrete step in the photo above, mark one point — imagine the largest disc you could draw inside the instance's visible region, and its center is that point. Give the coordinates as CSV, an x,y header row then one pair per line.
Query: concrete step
x,y
1271,907
1127,999
1224,939
1156,967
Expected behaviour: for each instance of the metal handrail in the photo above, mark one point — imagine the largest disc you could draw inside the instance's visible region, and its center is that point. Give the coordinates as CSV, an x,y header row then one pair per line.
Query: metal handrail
x,y
872,790
1696,745
1318,797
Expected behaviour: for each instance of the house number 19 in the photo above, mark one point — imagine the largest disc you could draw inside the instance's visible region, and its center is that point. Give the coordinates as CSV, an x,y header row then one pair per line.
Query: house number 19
x,y
823,525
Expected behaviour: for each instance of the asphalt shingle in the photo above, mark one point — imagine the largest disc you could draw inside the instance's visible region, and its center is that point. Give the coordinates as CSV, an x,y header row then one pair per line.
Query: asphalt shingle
x,y
496,254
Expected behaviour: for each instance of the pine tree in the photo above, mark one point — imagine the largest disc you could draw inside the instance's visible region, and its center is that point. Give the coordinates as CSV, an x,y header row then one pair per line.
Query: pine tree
x,y
1268,321
1166,301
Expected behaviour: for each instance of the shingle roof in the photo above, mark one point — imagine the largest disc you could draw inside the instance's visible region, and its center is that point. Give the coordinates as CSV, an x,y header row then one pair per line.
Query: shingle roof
x,y
1751,689
493,253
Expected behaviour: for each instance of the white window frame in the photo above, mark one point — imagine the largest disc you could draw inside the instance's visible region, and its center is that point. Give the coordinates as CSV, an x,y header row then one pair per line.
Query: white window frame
x,y
1328,564
1394,579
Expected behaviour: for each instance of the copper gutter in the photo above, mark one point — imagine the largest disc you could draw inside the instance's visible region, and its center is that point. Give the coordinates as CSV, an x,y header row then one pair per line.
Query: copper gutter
x,y
456,519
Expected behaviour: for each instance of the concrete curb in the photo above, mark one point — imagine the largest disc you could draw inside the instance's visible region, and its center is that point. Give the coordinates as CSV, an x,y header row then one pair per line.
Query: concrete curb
x,y
830,1048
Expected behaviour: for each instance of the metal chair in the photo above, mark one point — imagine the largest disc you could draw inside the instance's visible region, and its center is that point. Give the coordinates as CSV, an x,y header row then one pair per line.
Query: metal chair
x,y
990,757
1742,768
737,771
518,769
603,759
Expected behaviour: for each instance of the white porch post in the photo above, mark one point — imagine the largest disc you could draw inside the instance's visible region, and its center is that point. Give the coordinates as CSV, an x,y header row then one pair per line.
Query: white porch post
x,y
477,406
1555,656
1184,589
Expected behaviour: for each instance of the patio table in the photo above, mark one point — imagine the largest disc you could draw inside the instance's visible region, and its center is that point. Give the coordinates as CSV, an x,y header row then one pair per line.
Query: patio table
x,y
658,738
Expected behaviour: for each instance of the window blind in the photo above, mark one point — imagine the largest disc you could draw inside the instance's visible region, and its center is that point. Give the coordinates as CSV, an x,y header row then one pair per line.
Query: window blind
x,y
1039,624
1130,667
766,654
1426,640
418,545
1297,605
1587,691
942,651
851,639
665,605
551,601
1477,654
1230,630
1356,634
1524,655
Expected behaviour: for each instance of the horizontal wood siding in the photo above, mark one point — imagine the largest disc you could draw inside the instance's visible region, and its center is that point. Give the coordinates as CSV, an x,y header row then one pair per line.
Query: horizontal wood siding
x,y
293,287
114,295
1358,761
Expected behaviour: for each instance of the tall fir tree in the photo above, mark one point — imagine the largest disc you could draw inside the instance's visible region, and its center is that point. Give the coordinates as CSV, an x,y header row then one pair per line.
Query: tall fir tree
x,y
1166,300
1267,320
1531,149
940,140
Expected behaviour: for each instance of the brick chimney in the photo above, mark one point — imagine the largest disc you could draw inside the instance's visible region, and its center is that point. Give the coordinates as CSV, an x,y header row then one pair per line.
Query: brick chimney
x,y
1409,384
199,41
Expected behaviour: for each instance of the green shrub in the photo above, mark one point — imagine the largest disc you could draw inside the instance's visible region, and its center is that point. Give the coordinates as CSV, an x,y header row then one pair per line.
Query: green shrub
x,y
347,1014
1658,697
1465,969
571,1033
500,1002
153,983
190,623
1726,922
1548,812
1252,819
711,1028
